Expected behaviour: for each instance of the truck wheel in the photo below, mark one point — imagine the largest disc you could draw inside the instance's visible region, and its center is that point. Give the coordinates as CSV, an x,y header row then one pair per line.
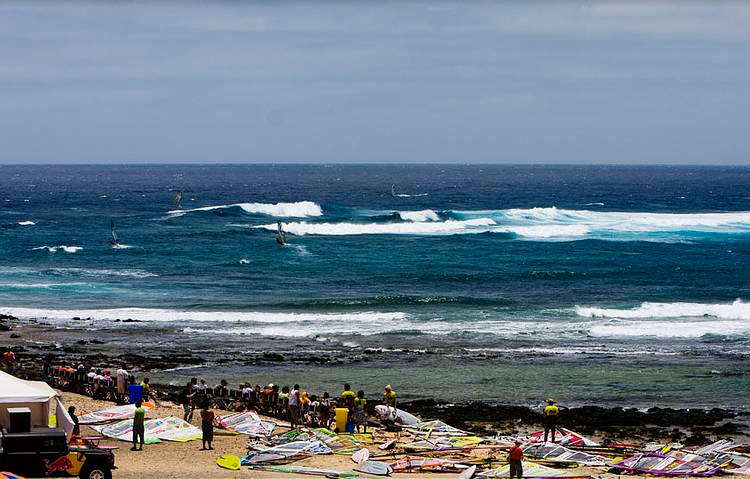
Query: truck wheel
x,y
95,471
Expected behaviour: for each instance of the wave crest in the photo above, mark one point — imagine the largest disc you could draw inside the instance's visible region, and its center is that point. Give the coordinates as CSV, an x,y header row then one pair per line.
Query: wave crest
x,y
736,310
55,249
299,209
419,216
349,229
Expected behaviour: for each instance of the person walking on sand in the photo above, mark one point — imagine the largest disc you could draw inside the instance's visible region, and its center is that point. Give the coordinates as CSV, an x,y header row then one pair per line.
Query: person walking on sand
x,y
515,458
551,413
294,406
389,397
207,424
139,431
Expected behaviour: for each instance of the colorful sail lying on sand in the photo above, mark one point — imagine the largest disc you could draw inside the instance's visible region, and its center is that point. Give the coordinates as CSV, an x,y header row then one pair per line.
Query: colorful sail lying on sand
x,y
565,437
306,470
721,453
443,443
654,463
533,471
156,430
116,413
247,422
553,452
413,464
436,428
285,451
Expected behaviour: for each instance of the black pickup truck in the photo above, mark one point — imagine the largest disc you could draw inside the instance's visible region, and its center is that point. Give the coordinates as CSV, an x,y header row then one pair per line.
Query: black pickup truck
x,y
45,452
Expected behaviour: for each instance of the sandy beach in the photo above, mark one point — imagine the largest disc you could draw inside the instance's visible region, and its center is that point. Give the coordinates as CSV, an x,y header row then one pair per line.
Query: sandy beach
x,y
175,460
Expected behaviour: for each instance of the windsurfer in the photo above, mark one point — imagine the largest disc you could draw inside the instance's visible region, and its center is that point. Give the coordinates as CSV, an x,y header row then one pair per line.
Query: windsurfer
x,y
113,240
280,236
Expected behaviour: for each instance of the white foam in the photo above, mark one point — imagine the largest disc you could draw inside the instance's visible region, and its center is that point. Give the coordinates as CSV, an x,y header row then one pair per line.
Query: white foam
x,y
669,329
40,285
177,316
736,310
419,216
96,273
426,228
121,246
244,261
55,249
618,222
26,223
299,209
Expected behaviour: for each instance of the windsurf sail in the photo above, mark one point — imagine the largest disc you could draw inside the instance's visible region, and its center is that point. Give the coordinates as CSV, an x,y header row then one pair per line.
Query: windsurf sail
x,y
156,430
554,452
178,198
533,471
247,422
654,463
113,239
565,437
115,413
280,236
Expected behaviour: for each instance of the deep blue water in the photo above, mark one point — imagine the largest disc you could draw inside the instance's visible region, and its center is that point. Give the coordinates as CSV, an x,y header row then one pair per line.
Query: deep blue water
x,y
563,265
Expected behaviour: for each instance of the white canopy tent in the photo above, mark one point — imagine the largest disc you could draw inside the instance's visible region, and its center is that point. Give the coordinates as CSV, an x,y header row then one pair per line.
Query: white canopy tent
x,y
35,395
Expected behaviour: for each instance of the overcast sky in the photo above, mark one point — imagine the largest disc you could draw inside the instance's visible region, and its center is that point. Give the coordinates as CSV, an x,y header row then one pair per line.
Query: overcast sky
x,y
375,81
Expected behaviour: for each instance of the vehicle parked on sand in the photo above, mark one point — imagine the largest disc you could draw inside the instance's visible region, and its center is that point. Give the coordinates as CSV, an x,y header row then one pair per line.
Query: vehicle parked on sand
x,y
45,451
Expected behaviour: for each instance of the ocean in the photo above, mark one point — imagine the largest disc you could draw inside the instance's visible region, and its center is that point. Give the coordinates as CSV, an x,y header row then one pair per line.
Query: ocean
x,y
611,285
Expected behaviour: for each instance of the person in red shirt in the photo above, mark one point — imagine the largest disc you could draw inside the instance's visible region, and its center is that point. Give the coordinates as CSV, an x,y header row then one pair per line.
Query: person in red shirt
x,y
515,456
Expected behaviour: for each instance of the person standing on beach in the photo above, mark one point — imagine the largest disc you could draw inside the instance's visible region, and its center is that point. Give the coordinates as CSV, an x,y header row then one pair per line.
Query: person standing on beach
x,y
389,397
185,398
360,411
139,429
551,413
122,385
207,424
74,418
294,406
515,456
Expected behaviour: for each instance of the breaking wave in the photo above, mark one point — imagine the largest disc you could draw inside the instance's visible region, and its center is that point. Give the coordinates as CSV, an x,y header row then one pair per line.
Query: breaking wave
x,y
55,249
412,228
299,209
171,315
533,224
736,311
419,216
669,329
26,223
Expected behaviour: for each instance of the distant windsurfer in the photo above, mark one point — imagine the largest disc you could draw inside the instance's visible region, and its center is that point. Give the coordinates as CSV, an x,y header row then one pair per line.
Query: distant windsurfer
x,y
393,190
178,198
280,236
113,240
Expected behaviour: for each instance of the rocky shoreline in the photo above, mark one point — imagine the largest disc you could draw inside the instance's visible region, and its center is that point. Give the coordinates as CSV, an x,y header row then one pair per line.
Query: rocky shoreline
x,y
689,426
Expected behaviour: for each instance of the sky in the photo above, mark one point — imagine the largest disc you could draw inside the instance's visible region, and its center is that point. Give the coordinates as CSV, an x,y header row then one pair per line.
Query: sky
x,y
375,82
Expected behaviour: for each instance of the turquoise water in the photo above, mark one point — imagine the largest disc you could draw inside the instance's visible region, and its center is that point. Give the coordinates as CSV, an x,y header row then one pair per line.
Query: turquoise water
x,y
594,283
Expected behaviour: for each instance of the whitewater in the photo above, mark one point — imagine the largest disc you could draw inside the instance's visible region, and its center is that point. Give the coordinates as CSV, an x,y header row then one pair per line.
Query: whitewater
x,y
472,273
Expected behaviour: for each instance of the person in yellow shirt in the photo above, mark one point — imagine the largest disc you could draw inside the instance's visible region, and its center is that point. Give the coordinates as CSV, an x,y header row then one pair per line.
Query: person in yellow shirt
x,y
389,397
360,411
551,412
